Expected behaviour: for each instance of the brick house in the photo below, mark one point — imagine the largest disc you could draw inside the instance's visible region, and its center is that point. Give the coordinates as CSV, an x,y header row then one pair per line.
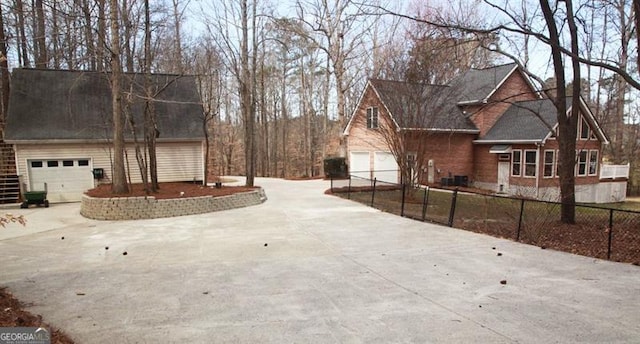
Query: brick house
x,y
488,128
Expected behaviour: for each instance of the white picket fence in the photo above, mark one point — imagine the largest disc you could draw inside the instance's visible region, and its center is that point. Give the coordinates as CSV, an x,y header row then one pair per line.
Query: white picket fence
x,y
614,171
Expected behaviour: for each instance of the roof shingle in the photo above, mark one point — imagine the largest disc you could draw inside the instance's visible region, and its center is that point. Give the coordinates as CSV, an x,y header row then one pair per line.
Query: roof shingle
x,y
76,105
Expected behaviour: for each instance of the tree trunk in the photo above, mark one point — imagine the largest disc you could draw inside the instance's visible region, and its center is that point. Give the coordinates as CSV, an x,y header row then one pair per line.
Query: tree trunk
x,y
178,52
40,36
636,10
567,125
621,85
119,181
246,97
102,35
4,74
22,50
55,37
88,35
128,37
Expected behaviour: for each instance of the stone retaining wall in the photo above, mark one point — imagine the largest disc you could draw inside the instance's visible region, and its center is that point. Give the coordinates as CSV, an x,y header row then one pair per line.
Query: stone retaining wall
x,y
137,208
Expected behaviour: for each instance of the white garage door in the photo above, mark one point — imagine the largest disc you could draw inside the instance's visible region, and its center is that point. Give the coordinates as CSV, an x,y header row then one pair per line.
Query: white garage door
x,y
67,179
385,167
359,164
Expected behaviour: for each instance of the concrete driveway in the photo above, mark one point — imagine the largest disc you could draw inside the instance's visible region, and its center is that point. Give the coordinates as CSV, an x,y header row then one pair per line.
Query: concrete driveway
x,y
307,268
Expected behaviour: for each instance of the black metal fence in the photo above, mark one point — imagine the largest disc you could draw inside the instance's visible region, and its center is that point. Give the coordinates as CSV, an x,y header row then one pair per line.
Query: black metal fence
x,y
606,233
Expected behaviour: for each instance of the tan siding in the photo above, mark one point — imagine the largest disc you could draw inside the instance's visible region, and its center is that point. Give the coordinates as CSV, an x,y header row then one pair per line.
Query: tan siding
x,y
181,161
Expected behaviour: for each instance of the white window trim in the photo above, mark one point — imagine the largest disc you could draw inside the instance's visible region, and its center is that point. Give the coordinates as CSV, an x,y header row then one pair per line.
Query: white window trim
x,y
524,164
553,163
582,123
513,162
589,162
586,164
369,114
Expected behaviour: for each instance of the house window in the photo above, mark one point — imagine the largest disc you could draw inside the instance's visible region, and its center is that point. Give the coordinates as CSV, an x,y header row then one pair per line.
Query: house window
x,y
585,131
593,162
530,157
516,163
549,163
372,118
582,163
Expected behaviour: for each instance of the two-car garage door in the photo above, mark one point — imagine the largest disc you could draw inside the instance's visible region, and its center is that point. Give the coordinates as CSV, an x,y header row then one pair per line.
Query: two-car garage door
x,y
66,179
385,167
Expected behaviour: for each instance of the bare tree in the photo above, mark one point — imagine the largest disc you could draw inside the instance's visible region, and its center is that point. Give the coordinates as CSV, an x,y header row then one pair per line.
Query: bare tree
x,y
119,181
339,31
4,72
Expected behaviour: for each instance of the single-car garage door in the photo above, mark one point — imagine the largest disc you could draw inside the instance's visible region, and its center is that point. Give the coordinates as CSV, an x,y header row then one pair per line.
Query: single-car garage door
x,y
67,179
385,167
359,164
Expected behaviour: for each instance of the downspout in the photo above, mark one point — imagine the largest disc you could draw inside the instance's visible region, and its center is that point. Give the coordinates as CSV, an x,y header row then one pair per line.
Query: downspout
x,y
539,145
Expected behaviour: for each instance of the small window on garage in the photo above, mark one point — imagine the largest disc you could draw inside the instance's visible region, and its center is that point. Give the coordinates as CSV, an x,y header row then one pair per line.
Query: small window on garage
x,y
83,162
67,163
36,164
52,163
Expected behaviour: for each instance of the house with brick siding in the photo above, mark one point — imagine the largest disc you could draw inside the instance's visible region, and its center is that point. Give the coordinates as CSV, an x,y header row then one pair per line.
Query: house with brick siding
x,y
488,128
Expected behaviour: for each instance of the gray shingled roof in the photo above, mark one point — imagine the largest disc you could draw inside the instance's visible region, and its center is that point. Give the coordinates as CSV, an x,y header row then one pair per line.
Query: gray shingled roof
x,y
525,121
421,106
477,84
76,105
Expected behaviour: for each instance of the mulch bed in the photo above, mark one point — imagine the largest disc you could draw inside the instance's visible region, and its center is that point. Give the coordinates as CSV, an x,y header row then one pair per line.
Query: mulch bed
x,y
170,190
14,315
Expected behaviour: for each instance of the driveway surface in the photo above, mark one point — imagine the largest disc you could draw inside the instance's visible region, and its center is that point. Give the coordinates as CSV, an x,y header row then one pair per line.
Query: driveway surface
x,y
307,268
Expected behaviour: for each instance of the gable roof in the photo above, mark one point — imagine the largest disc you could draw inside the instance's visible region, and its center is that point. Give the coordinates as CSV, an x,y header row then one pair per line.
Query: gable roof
x,y
477,85
416,106
533,121
62,105
525,121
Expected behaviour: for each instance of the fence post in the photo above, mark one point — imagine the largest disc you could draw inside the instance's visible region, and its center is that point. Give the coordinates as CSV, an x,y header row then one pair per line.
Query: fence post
x,y
349,189
452,210
520,219
425,202
332,183
373,194
610,234
404,187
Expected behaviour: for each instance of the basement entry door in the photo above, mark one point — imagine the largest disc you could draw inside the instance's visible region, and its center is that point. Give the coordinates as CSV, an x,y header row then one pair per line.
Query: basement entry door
x,y
67,179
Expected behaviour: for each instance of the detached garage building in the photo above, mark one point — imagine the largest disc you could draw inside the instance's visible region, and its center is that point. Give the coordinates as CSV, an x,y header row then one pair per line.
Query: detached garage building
x,y
60,125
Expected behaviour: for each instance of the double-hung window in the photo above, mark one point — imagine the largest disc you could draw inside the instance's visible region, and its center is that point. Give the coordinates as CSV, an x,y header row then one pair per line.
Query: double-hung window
x,y
549,163
530,163
372,118
582,163
516,163
593,162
